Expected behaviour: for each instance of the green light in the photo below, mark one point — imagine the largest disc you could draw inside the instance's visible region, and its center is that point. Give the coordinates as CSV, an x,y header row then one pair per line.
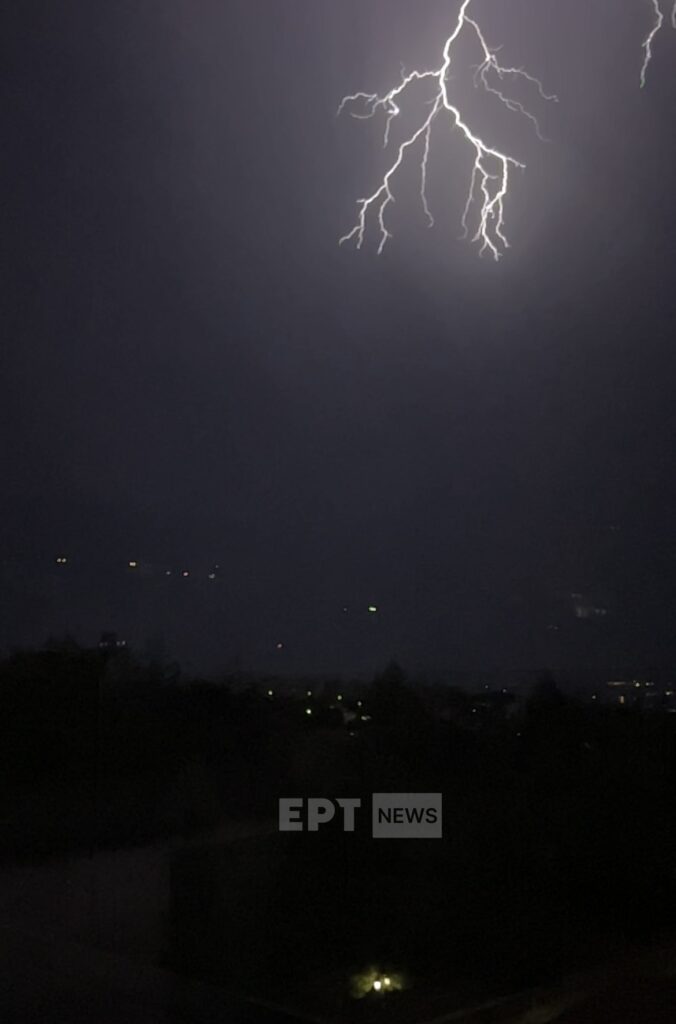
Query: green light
x,y
372,609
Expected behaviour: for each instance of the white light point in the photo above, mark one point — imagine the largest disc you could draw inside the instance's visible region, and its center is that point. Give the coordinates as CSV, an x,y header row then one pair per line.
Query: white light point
x,y
490,176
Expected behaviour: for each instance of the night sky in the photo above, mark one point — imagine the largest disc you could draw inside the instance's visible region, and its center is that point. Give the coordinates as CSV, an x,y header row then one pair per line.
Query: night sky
x,y
197,375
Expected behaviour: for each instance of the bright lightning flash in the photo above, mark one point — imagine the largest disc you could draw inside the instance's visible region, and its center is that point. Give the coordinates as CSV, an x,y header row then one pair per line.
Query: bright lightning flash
x,y
490,176
650,38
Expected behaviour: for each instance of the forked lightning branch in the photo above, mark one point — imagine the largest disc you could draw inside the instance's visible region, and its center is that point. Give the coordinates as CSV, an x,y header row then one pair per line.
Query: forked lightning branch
x,y
488,187
650,38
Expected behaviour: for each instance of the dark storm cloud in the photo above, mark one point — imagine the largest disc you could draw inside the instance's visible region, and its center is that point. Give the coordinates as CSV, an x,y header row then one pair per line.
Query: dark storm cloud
x,y
198,374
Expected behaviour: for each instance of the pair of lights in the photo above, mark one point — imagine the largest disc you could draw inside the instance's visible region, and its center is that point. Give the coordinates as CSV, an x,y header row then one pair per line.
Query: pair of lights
x,y
372,980
61,560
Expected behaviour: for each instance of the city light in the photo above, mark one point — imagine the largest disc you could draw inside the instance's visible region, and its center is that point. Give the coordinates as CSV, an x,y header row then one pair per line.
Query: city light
x,y
372,980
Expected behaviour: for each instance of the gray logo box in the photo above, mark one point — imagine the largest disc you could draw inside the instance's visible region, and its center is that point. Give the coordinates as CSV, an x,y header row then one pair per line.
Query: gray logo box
x,y
407,815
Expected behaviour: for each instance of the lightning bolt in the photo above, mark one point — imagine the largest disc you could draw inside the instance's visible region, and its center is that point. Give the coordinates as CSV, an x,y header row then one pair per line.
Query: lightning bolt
x,y
490,176
650,38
